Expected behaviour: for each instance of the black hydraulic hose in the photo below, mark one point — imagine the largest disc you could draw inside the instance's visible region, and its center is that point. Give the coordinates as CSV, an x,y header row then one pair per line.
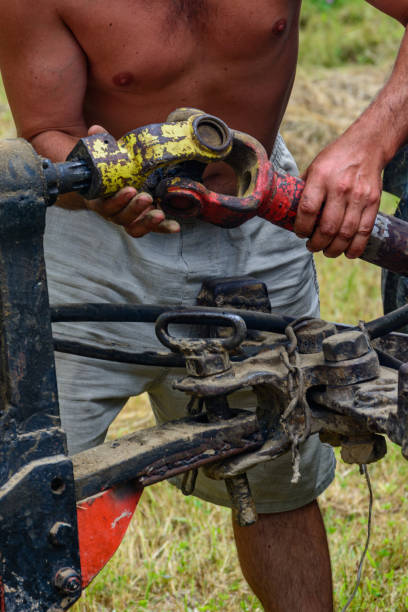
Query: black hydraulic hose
x,y
147,313
388,360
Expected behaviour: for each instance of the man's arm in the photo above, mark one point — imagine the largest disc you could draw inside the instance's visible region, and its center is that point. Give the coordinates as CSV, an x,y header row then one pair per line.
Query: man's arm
x,y
44,71
346,176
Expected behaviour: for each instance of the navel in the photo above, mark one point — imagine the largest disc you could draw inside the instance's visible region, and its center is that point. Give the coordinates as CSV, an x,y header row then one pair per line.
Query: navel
x,y
280,26
123,79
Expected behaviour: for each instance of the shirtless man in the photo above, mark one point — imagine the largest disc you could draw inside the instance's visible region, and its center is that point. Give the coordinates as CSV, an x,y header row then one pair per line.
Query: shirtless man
x,y
71,66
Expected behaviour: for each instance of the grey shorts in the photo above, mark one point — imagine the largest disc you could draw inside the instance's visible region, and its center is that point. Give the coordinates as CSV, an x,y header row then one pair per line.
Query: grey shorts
x,y
91,260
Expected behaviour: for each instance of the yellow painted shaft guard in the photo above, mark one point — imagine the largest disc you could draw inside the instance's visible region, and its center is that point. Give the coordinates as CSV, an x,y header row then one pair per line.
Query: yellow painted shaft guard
x,y
130,160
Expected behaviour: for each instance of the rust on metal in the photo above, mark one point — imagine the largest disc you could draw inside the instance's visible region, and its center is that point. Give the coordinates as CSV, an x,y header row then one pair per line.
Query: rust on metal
x,y
157,453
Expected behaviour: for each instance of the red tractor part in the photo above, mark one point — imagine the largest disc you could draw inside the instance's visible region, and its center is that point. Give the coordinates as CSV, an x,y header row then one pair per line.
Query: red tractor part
x,y
102,523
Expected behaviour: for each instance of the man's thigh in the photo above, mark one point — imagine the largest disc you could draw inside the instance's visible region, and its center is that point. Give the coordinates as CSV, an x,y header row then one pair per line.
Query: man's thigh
x,y
91,394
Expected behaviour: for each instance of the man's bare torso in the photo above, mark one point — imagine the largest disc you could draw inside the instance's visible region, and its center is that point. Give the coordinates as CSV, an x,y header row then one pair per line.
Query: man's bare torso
x,y
233,58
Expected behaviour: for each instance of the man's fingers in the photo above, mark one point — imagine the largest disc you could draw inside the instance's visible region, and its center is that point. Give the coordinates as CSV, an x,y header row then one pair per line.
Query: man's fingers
x,y
346,231
110,207
168,226
134,212
133,209
358,244
329,223
153,221
96,129
309,207
372,199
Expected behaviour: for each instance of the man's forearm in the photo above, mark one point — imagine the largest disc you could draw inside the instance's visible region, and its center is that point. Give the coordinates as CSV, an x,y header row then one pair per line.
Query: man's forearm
x,y
384,124
343,187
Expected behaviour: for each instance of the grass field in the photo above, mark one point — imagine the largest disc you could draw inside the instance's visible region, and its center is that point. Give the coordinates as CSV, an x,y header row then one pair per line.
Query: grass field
x,y
179,554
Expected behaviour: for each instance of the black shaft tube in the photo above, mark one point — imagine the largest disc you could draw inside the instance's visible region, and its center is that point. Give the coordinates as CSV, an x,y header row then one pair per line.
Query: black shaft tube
x,y
387,246
393,321
148,358
65,177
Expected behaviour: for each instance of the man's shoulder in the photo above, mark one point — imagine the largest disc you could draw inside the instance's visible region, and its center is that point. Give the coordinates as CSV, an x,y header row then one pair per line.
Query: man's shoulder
x,y
26,10
25,22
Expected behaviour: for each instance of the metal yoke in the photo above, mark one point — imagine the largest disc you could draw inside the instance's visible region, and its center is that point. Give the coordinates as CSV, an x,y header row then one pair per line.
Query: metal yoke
x,y
273,196
99,166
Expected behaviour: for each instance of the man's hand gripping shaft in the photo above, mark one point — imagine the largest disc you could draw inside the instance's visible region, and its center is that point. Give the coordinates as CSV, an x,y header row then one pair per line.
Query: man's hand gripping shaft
x,y
276,197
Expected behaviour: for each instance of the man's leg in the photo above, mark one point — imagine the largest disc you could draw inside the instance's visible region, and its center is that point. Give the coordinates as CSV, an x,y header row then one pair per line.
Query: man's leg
x,y
92,392
285,560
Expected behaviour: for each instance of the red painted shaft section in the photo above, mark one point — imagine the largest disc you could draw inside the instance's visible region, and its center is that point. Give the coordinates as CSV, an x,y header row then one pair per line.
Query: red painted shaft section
x,y
275,198
280,207
387,246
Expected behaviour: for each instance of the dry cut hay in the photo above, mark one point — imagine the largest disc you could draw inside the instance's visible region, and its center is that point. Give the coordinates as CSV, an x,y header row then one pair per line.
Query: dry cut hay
x,y
324,103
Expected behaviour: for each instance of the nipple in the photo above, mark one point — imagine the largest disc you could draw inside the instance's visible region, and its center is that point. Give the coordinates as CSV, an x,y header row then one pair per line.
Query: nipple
x,y
122,79
280,26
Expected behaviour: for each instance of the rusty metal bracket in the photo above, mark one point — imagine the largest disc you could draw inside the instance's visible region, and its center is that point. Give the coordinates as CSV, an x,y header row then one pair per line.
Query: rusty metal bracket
x,y
36,477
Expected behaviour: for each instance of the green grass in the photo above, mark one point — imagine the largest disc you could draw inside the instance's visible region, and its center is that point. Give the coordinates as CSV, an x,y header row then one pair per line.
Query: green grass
x,y
6,121
346,32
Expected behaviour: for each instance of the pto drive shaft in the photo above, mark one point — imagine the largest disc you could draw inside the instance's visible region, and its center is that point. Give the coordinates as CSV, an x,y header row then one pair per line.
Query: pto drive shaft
x,y
273,196
99,166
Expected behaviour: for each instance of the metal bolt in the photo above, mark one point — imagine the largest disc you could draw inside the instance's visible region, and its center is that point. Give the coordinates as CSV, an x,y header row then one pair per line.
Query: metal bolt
x,y
243,504
344,346
310,335
207,361
68,581
363,450
60,534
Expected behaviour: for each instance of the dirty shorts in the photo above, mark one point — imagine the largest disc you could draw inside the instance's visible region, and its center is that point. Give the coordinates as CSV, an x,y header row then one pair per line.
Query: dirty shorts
x,y
91,260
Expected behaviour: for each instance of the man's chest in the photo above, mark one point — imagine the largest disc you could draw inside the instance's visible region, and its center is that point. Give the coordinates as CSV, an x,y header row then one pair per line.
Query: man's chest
x,y
159,39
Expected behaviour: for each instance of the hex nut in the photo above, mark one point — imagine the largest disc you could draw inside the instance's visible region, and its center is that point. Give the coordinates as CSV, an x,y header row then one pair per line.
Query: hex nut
x,y
310,335
346,345
363,451
68,581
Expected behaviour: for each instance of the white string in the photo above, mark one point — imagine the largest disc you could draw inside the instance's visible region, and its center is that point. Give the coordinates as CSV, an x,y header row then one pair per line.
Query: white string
x,y
363,470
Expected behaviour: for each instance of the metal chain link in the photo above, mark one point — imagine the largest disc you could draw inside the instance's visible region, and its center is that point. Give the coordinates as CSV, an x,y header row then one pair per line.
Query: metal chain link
x,y
298,404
